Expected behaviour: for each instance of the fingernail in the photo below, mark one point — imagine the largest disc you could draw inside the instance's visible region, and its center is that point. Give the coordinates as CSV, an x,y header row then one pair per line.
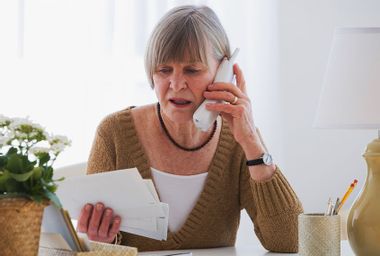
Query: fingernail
x,y
117,221
88,207
108,212
99,207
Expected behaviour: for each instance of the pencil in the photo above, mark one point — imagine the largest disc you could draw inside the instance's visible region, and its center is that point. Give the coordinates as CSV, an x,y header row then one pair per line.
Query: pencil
x,y
346,195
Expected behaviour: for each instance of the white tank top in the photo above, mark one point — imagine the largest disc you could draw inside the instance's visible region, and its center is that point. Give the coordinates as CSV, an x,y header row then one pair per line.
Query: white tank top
x,y
180,192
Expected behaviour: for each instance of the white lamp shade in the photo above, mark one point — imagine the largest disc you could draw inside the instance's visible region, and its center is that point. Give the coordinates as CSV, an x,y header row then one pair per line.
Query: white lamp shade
x,y
350,96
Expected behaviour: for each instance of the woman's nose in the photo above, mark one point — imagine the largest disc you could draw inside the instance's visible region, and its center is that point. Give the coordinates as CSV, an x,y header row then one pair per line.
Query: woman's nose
x,y
177,82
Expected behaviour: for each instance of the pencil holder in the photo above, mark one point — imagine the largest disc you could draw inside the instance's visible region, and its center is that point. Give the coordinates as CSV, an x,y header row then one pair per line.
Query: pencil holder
x,y
318,234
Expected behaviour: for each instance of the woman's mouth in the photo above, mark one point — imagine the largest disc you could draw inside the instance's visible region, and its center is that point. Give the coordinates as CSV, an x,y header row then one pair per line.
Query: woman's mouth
x,y
180,102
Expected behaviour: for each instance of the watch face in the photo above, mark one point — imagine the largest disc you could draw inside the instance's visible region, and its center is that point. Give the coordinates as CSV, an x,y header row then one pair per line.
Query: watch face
x,y
267,158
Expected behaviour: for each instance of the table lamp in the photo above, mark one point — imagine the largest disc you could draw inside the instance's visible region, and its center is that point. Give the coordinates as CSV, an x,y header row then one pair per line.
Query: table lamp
x,y
350,99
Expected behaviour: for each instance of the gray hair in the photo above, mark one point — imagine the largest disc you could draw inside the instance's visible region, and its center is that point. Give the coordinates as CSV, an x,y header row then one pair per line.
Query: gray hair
x,y
186,33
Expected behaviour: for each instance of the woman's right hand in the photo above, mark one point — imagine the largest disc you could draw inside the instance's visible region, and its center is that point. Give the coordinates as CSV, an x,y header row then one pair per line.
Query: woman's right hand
x,y
99,223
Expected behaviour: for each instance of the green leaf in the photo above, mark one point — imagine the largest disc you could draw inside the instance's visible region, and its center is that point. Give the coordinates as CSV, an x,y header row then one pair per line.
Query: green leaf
x,y
48,174
52,187
53,197
26,186
60,179
21,177
37,188
3,161
44,158
12,186
37,198
37,172
28,165
14,163
11,151
4,176
18,163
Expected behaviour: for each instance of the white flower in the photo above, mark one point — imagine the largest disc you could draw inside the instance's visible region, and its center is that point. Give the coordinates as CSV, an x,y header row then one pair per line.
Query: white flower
x,y
24,129
45,134
57,148
59,139
16,123
3,140
39,150
4,120
22,132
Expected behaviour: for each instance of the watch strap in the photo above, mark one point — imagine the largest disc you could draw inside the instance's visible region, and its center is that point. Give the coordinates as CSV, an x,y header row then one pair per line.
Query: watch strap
x,y
255,162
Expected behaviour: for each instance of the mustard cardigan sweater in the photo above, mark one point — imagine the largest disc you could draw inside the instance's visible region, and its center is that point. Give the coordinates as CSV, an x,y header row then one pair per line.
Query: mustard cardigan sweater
x,y
213,222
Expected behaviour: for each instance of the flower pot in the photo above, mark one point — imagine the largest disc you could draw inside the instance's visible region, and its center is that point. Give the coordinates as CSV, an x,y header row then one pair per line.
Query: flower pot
x,y
20,226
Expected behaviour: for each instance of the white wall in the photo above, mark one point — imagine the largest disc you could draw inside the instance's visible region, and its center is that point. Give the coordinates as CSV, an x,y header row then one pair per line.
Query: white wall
x,y
319,163
259,61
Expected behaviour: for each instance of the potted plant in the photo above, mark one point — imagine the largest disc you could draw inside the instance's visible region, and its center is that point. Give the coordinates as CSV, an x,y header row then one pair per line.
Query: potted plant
x,y
27,154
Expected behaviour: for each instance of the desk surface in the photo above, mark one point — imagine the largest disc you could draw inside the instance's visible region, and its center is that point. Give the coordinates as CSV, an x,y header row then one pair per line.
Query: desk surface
x,y
248,250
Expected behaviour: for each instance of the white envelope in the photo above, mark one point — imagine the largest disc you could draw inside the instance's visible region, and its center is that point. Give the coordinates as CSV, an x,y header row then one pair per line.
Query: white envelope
x,y
123,188
142,217
162,227
130,196
152,189
143,223
145,211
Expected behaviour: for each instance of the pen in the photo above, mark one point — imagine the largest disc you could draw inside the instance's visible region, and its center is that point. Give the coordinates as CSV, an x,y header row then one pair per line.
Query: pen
x,y
336,207
329,203
348,192
331,209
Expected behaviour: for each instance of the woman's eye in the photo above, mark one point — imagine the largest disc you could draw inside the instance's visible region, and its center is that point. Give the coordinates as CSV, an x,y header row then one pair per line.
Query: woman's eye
x,y
164,70
192,71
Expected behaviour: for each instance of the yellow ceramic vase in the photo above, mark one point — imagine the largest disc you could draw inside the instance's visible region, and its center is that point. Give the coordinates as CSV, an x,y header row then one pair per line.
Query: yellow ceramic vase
x,y
363,224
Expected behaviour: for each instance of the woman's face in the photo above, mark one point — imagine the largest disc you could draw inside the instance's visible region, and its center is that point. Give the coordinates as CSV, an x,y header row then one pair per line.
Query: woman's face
x,y
179,87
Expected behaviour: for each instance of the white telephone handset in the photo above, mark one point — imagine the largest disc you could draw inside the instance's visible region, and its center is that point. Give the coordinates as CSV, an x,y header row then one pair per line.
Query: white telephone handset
x,y
203,118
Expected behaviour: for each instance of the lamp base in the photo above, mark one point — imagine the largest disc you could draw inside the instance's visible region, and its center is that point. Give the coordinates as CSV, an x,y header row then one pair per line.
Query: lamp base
x,y
363,224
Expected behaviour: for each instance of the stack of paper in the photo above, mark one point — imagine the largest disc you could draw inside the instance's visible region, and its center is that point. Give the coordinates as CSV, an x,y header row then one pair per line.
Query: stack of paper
x,y
126,192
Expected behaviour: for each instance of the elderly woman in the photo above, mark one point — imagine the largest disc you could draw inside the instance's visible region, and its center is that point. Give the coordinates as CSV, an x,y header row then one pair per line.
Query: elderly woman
x,y
207,178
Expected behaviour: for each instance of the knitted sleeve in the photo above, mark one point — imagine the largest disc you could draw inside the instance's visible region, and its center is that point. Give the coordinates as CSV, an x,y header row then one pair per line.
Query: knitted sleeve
x,y
273,207
102,156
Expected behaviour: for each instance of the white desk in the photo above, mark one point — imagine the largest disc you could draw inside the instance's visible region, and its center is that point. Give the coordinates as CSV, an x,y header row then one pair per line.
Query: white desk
x,y
249,250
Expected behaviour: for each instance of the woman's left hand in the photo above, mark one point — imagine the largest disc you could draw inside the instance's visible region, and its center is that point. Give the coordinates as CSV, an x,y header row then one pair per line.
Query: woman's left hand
x,y
238,112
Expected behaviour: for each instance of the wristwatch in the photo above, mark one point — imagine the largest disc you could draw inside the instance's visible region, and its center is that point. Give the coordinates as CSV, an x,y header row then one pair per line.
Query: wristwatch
x,y
264,159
